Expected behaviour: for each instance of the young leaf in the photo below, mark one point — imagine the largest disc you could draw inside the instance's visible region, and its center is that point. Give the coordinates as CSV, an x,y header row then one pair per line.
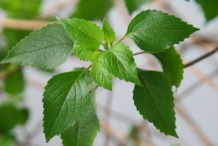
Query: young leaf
x,y
96,9
83,132
154,31
172,65
209,8
86,35
45,48
82,53
154,101
109,34
133,5
66,99
101,75
120,62
14,83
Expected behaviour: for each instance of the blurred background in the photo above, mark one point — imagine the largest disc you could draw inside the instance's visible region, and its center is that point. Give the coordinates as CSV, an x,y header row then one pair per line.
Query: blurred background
x,y
21,88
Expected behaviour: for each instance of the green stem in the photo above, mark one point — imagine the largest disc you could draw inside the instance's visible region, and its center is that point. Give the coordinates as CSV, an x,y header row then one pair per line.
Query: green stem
x,y
121,39
138,53
93,90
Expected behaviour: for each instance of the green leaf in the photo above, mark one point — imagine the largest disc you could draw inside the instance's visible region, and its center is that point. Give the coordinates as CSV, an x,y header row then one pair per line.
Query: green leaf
x,y
45,48
101,75
96,9
120,62
154,101
82,53
209,8
83,132
9,117
23,115
154,31
172,65
66,99
22,9
15,83
7,140
109,34
133,5
86,35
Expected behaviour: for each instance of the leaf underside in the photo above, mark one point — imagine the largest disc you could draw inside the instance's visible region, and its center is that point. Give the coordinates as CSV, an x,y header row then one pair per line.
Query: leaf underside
x,y
46,48
83,132
66,99
155,101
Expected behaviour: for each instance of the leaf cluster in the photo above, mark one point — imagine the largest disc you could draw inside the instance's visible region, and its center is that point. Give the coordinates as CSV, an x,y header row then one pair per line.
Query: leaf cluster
x,y
69,108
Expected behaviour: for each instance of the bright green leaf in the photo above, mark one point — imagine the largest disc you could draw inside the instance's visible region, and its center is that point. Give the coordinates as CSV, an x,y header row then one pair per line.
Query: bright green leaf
x,y
172,65
7,140
101,75
66,99
210,8
120,62
86,35
109,34
14,83
96,9
83,53
22,9
133,5
83,132
154,31
45,48
9,117
155,101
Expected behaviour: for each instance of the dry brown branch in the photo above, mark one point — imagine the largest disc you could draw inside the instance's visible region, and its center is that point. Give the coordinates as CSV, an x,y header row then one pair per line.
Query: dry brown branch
x,y
24,24
193,125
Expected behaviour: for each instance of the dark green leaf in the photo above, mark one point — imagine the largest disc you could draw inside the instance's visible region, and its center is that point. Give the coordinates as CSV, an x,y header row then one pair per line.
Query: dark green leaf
x,y
15,82
154,101
45,48
83,132
154,31
23,9
23,115
133,5
210,8
101,75
109,34
96,9
120,62
66,99
172,65
86,35
9,117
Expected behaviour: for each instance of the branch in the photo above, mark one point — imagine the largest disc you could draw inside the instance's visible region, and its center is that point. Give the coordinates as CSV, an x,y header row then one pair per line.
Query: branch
x,y
193,126
24,24
201,58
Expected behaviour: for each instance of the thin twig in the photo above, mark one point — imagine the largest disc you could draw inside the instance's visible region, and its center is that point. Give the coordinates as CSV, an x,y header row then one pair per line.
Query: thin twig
x,y
107,111
201,58
138,53
24,24
194,86
31,135
193,126
203,77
